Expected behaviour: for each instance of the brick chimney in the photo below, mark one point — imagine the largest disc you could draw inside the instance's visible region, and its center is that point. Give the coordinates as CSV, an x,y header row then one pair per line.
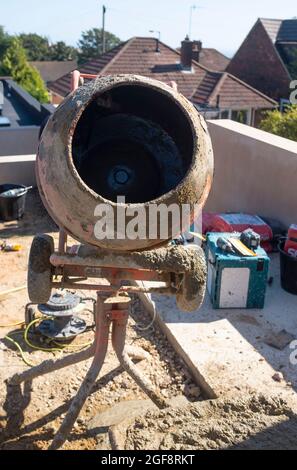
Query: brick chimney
x,y
186,53
197,48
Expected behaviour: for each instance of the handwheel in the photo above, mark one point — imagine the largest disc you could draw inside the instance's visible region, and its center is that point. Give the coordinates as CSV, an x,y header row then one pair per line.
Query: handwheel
x,y
40,270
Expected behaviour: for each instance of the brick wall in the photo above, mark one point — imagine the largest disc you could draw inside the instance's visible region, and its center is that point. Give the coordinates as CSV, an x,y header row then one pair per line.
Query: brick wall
x,y
257,63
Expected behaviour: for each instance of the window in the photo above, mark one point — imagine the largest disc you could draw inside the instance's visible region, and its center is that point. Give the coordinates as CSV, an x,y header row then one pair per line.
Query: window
x,y
244,116
225,114
240,116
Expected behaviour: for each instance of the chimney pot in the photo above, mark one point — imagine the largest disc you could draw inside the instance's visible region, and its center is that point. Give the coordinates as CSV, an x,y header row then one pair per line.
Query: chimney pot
x,y
197,48
186,53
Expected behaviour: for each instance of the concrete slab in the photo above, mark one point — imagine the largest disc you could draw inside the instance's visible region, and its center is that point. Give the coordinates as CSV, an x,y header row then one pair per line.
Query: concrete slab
x,y
226,349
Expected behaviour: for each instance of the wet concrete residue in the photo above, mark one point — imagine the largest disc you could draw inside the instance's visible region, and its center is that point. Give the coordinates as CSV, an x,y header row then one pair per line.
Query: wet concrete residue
x,y
256,422
175,259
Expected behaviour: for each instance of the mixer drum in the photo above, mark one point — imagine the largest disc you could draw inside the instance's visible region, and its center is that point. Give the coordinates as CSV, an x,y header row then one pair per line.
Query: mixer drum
x,y
122,135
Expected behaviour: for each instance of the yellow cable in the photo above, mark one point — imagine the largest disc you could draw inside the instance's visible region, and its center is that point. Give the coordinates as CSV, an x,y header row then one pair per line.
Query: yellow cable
x,y
30,364
62,346
28,342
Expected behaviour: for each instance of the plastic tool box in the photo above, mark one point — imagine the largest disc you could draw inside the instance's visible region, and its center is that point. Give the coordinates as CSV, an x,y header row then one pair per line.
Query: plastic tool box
x,y
236,281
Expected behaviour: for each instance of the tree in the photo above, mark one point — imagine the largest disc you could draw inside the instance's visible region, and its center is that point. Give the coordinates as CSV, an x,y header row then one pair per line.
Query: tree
x,y
16,65
36,47
90,44
5,41
60,51
282,124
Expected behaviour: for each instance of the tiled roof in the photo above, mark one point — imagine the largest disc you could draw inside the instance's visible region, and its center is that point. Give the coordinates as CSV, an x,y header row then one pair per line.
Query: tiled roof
x,y
283,34
213,59
206,87
235,94
288,31
281,30
51,70
272,27
61,86
139,56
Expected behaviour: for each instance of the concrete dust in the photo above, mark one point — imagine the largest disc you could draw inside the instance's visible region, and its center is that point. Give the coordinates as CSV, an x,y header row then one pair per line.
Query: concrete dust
x,y
256,422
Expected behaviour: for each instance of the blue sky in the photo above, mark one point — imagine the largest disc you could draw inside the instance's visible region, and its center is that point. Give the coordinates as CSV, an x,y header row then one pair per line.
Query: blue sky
x,y
222,24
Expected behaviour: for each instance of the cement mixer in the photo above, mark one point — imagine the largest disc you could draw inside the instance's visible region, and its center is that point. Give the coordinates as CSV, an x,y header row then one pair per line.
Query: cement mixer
x,y
127,136
122,135
139,140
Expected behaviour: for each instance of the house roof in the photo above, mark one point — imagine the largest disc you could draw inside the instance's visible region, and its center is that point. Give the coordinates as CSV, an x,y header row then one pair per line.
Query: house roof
x,y
272,27
20,107
213,59
288,31
51,70
139,56
283,34
281,30
236,94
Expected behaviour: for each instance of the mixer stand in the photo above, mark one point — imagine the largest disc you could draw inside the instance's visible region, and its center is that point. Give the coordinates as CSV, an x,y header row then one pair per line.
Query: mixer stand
x,y
110,310
178,271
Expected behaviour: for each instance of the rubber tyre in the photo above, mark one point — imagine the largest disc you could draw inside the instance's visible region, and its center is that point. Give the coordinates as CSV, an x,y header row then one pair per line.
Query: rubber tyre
x,y
192,285
40,270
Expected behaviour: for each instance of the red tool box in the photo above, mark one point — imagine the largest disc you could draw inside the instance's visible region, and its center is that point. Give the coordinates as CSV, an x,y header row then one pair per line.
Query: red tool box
x,y
291,243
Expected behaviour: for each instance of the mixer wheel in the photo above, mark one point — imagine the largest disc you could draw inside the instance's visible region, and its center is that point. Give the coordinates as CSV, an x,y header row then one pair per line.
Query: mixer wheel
x,y
192,285
40,270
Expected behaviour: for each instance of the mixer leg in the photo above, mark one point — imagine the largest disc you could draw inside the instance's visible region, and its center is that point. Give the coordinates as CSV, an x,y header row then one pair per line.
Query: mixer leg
x,y
48,366
103,321
118,341
112,309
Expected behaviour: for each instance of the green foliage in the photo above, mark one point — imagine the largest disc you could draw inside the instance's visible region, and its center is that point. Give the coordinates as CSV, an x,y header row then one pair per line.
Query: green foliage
x,y
60,51
15,64
36,47
90,44
282,124
5,41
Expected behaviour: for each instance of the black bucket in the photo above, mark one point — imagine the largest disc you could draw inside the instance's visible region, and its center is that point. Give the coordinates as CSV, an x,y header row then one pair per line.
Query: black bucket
x,y
288,269
12,207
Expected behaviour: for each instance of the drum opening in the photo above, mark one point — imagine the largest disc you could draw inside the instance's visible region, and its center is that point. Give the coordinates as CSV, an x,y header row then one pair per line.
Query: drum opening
x,y
133,141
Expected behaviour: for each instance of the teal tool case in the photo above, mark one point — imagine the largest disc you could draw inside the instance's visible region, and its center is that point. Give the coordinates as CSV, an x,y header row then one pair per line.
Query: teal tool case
x,y
235,281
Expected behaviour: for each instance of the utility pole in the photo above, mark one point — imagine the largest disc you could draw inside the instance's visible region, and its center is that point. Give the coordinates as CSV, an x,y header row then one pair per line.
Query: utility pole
x,y
103,29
